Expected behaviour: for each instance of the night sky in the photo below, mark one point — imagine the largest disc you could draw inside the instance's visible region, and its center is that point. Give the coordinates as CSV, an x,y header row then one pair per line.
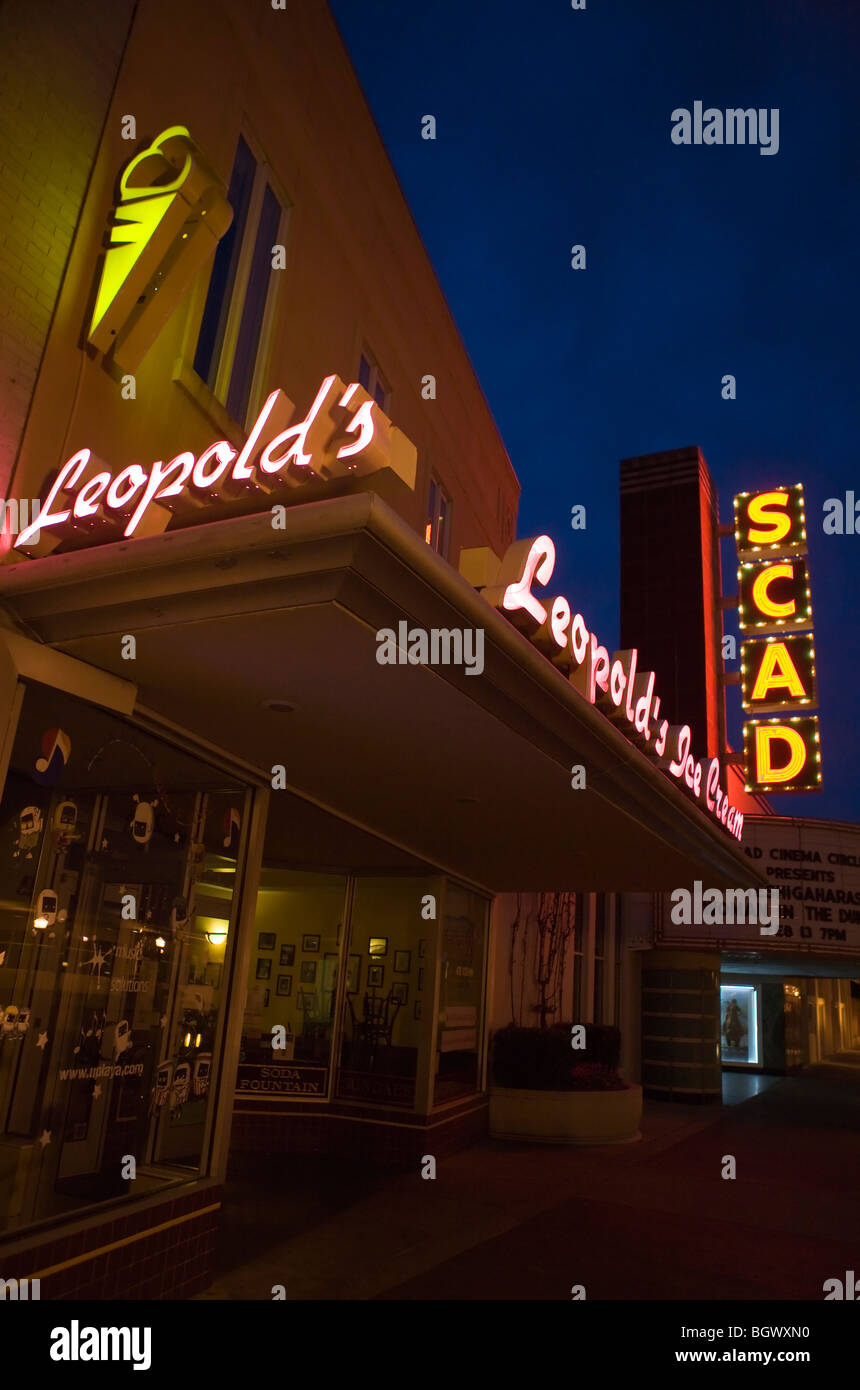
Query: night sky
x,y
553,128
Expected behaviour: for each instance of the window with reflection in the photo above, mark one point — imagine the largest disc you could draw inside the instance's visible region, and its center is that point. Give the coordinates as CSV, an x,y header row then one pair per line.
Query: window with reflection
x,y
111,841
388,990
600,921
292,982
460,1020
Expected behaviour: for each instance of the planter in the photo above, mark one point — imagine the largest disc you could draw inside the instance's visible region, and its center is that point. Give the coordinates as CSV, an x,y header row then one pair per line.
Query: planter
x,y
566,1117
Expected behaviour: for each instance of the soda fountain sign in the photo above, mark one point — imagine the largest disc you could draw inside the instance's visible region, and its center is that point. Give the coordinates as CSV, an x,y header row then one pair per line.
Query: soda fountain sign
x,y
344,434
613,683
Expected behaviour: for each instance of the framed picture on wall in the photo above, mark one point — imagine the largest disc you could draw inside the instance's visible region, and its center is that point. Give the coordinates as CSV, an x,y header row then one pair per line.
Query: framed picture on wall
x,y
288,955
329,970
308,974
266,1000
400,990
264,968
375,976
310,944
353,974
285,985
377,946
212,974
421,977
266,941
402,962
422,947
416,1009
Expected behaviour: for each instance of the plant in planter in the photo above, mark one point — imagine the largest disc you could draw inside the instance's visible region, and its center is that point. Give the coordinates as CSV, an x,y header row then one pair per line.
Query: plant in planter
x,y
543,1089
544,1092
541,1059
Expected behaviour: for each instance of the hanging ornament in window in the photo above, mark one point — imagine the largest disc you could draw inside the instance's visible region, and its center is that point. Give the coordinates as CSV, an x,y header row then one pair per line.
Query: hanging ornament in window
x,y
180,1088
142,822
30,824
64,822
202,1070
162,1086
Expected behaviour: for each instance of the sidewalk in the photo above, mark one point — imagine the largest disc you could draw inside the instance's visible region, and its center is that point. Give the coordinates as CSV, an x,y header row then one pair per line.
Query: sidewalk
x,y
653,1219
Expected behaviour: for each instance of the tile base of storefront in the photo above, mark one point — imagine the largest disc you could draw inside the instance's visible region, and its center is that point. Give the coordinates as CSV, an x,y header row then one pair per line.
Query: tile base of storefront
x,y
161,1249
369,1135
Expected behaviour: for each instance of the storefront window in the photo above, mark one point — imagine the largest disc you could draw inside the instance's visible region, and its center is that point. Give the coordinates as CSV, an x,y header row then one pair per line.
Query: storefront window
x,y
461,994
579,958
292,983
110,982
599,956
388,988
739,1024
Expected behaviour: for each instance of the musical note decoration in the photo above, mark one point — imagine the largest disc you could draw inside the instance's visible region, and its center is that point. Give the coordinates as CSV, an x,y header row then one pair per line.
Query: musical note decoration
x,y
56,748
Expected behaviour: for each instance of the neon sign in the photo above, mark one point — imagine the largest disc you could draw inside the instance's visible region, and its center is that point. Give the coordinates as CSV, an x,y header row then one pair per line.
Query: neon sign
x,y
784,753
276,456
770,523
774,595
777,671
614,684
171,213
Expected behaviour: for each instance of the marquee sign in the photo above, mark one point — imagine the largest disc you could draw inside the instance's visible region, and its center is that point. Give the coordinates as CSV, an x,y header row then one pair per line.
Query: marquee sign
x,y
777,670
344,434
614,684
815,865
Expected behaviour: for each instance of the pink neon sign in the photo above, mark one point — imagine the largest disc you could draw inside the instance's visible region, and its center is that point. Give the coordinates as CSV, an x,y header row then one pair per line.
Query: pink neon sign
x,y
274,453
612,683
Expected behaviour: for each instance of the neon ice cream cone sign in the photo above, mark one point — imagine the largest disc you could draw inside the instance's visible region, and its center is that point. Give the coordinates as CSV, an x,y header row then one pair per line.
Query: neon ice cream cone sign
x,y
171,213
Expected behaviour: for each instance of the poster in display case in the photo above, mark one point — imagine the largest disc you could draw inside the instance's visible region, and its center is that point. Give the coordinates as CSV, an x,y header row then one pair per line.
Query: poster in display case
x,y
739,1024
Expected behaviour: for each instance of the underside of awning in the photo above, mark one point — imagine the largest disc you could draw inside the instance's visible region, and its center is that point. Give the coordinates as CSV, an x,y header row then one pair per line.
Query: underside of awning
x,y
264,643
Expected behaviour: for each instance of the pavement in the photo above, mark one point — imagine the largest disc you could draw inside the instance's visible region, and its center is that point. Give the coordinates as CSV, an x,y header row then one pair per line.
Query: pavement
x,y
654,1219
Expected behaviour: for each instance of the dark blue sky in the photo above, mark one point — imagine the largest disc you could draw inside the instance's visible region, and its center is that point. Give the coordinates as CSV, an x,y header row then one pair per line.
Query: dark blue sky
x,y
553,128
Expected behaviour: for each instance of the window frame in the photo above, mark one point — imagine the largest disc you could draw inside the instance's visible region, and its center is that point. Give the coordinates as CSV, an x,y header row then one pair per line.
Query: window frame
x,y
226,356
435,488
376,377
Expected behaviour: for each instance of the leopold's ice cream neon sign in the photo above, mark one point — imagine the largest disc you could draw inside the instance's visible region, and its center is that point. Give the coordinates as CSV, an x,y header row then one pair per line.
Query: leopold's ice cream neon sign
x,y
612,683
275,455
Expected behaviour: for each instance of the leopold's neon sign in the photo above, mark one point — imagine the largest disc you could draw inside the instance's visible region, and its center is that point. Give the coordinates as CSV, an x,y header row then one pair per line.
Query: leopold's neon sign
x,y
272,457
612,683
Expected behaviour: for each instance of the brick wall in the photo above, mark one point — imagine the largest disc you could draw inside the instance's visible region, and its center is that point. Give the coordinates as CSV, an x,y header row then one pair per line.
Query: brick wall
x,y
397,1145
56,80
160,1248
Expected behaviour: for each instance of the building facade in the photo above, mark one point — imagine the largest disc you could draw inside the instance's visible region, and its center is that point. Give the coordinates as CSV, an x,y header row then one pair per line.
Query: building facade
x,y
263,848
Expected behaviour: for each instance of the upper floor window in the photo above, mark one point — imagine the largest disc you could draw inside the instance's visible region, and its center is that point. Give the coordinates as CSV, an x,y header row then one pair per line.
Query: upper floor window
x,y
239,303
437,532
371,378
